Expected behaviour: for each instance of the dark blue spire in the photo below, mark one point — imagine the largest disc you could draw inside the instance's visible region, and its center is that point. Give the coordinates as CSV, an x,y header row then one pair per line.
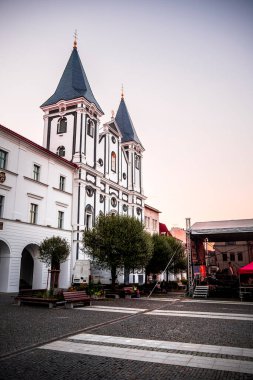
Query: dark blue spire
x,y
73,84
125,124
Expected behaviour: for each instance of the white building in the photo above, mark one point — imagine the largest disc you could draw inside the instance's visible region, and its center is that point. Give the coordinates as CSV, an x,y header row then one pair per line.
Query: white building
x,y
83,168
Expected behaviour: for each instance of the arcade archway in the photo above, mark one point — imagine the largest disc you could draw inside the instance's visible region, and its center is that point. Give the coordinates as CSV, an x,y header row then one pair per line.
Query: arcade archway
x,y
4,266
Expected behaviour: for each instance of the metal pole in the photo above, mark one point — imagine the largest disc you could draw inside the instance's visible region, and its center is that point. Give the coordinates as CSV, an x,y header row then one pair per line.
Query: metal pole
x,y
164,271
189,256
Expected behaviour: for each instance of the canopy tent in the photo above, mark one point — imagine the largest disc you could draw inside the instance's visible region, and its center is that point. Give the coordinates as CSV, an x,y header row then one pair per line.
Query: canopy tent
x,y
224,230
247,269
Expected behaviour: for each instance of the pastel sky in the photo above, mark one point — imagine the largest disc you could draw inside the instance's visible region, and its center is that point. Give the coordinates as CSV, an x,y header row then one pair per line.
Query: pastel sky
x,y
186,67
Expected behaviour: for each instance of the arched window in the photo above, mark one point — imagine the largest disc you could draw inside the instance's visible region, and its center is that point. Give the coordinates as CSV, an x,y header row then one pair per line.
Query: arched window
x,y
90,128
88,221
62,125
61,151
113,161
137,161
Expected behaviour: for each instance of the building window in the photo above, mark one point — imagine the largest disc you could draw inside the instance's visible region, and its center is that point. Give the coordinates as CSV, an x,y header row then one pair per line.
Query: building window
x,y
61,151
147,221
1,205
3,159
60,219
137,161
36,172
125,208
239,255
232,257
89,191
100,161
62,125
90,128
88,216
154,224
62,183
225,257
114,202
113,161
88,221
33,213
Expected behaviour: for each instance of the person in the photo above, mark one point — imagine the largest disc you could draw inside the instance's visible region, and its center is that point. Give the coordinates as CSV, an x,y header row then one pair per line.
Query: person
x,y
230,269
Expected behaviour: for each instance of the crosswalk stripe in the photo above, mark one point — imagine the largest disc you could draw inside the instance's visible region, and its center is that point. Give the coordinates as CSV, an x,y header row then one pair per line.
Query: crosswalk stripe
x,y
191,314
205,301
181,313
112,309
169,345
185,360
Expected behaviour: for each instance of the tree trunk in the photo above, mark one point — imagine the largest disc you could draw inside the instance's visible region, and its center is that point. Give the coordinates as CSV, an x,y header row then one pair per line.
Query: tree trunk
x,y
114,276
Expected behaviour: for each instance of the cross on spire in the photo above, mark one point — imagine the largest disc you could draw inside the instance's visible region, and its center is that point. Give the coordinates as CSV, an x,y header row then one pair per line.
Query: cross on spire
x,y
75,39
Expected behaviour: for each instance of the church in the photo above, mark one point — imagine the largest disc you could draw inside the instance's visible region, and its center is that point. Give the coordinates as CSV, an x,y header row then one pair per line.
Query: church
x,y
82,169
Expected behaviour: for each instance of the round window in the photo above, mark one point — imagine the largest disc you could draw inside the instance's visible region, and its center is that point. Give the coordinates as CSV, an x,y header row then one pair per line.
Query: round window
x,y
125,208
138,210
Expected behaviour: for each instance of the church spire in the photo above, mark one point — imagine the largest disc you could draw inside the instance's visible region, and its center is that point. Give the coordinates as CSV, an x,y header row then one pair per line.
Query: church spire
x,y
73,83
125,123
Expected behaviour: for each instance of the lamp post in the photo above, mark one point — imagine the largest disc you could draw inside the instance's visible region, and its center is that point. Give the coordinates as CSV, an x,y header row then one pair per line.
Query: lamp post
x,y
189,256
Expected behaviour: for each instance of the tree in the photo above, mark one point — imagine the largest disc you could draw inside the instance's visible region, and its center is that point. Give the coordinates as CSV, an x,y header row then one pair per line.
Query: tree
x,y
54,251
164,248
118,241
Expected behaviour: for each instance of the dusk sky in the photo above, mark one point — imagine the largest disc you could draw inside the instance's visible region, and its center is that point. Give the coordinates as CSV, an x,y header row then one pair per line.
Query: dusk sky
x,y
186,67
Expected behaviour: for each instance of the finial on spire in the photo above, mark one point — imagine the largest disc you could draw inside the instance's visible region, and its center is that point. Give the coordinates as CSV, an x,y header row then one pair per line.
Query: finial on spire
x,y
112,114
122,92
75,40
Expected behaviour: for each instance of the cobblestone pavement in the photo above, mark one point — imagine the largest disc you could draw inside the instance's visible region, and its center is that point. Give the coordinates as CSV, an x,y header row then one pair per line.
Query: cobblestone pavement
x,y
26,330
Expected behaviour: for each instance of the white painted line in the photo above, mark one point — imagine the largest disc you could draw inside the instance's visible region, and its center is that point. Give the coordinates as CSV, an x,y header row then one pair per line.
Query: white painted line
x,y
219,302
240,317
204,313
159,299
112,309
152,356
182,346
116,307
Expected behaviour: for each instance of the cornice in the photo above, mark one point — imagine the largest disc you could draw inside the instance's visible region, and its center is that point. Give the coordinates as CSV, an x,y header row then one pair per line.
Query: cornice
x,y
38,182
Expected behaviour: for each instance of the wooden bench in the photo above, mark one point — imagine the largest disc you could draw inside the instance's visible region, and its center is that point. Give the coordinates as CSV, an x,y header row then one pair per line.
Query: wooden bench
x,y
111,295
72,298
51,302
30,292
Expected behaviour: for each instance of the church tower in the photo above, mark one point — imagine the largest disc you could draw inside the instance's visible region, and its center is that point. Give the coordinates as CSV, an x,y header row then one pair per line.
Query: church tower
x,y
108,178
72,115
71,130
131,145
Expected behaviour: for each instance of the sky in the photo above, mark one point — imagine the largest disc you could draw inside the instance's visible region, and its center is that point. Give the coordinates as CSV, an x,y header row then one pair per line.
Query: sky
x,y
186,67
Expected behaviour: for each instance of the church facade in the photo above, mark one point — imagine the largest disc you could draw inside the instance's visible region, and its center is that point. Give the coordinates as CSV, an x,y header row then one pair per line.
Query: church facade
x,y
58,189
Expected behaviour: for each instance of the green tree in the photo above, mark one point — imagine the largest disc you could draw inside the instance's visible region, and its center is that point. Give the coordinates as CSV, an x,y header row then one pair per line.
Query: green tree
x,y
54,251
118,241
164,248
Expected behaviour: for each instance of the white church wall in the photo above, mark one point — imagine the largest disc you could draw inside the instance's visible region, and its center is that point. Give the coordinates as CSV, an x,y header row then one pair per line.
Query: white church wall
x,y
62,139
